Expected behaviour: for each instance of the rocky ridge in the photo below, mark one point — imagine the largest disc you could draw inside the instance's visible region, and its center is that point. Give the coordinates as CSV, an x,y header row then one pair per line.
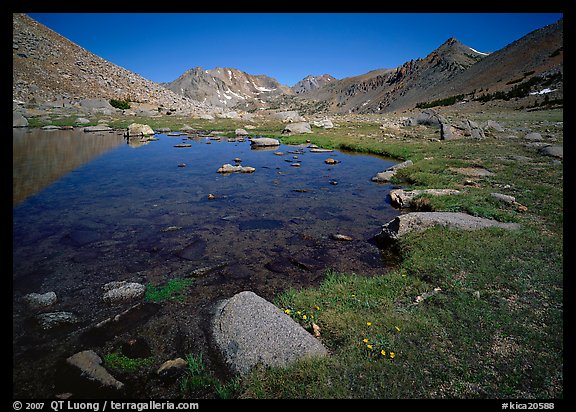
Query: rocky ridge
x,y
49,68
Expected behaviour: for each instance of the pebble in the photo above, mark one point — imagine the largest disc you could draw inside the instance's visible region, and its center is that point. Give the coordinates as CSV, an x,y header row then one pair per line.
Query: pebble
x,y
39,301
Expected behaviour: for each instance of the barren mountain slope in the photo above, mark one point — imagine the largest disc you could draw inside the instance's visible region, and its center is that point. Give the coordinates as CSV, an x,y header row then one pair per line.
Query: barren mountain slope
x,y
539,52
390,89
452,69
48,67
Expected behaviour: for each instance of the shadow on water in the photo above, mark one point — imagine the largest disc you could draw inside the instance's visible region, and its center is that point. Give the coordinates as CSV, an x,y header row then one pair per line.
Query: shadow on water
x,y
113,212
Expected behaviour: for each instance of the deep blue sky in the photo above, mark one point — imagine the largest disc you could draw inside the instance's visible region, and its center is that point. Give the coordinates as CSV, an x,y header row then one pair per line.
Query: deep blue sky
x,y
285,46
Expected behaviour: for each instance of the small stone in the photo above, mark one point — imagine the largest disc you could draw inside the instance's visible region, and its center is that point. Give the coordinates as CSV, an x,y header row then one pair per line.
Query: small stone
x,y
123,291
55,319
338,236
171,228
39,301
295,164
211,196
330,161
534,136
504,198
181,164
318,150
172,368
228,168
99,128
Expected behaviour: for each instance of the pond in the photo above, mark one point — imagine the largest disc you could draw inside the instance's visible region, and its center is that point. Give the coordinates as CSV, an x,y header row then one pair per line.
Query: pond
x,y
90,209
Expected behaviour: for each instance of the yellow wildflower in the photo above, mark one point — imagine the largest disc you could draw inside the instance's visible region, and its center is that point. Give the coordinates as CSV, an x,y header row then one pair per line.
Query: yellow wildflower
x,y
392,355
383,352
369,323
369,346
365,340
298,313
397,328
287,311
304,317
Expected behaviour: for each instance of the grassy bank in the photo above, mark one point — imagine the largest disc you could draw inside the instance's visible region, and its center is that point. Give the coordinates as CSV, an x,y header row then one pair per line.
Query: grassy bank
x,y
464,314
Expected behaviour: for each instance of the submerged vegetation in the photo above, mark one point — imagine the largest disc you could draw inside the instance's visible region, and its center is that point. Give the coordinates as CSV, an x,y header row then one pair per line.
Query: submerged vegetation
x,y
172,290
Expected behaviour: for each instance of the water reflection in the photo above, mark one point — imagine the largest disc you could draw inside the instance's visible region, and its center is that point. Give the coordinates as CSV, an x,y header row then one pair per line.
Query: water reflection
x,y
40,158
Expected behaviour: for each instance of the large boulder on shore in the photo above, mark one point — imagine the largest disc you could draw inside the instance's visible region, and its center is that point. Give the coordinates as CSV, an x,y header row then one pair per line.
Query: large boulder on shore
x,y
403,198
462,128
248,330
288,116
297,128
427,117
417,221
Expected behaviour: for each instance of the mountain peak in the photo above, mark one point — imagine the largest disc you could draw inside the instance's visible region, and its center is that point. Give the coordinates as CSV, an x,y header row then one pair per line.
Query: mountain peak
x,y
452,41
311,82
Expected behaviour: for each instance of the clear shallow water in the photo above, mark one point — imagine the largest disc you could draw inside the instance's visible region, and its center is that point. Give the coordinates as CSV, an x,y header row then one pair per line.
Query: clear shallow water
x,y
131,213
118,204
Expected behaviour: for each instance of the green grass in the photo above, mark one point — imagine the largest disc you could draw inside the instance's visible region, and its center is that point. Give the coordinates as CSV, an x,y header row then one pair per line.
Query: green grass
x,y
199,381
123,363
172,290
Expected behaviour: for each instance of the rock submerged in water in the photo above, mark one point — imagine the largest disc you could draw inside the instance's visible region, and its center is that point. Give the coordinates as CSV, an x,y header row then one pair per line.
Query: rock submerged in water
x,y
123,291
40,300
248,330
56,319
